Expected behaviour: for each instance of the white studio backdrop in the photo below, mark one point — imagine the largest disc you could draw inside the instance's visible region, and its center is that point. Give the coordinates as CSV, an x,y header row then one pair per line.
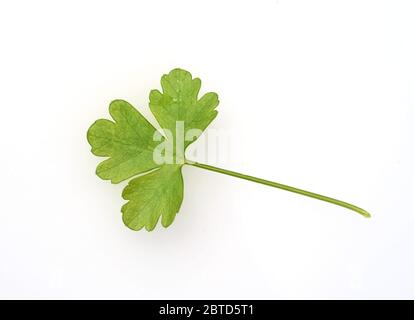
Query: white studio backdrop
x,y
316,94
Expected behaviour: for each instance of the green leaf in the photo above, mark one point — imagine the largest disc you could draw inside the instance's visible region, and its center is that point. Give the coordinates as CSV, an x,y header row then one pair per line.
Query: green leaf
x,y
159,192
179,102
128,143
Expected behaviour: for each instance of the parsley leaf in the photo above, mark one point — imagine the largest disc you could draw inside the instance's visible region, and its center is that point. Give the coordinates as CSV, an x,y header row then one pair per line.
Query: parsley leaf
x,y
158,192
179,102
129,143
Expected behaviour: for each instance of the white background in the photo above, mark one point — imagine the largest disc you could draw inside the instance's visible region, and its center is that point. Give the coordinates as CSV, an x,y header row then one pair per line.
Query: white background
x,y
319,95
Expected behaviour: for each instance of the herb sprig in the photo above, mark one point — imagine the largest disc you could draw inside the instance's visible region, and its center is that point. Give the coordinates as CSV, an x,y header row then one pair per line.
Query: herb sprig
x,y
128,142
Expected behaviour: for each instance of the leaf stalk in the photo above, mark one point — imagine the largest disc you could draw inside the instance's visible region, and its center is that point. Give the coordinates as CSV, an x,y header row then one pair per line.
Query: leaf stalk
x,y
283,187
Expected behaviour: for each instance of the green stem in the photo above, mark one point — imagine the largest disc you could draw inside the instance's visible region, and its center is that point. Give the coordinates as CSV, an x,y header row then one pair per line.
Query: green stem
x,y
282,186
